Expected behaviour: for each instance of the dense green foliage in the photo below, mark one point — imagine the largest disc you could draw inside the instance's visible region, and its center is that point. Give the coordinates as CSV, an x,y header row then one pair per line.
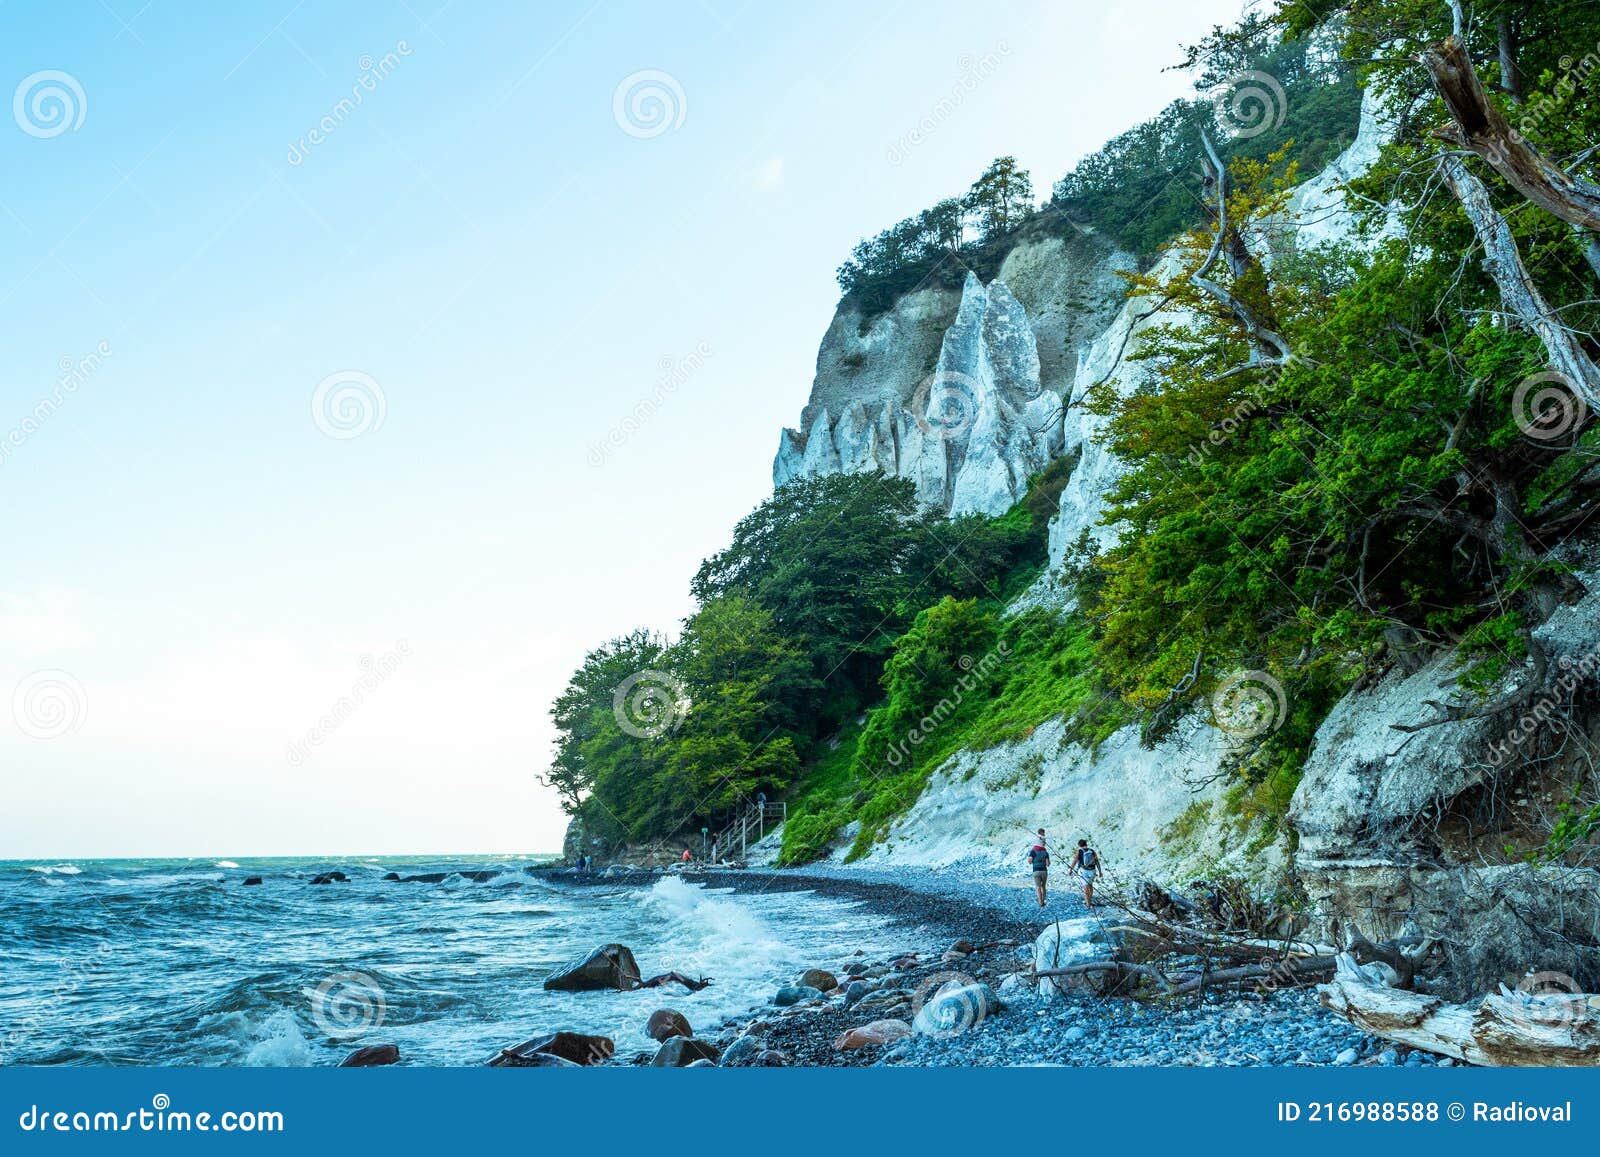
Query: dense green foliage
x,y
1335,464
1143,188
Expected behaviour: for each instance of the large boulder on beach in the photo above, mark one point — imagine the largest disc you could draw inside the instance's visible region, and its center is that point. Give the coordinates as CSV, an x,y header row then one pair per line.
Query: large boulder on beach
x,y
743,1051
371,1056
818,978
665,1023
681,1051
874,1035
795,994
611,966
574,1047
1069,943
954,1008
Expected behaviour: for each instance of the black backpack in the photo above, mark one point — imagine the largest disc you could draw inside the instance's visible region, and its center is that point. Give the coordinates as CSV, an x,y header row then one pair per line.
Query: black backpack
x,y
1087,860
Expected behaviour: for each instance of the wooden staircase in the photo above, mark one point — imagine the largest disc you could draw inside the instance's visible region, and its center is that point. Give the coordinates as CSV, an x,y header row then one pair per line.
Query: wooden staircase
x,y
749,826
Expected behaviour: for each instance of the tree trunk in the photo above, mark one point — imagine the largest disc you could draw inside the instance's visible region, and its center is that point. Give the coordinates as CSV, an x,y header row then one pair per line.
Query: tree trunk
x,y
1504,1029
1483,128
1503,261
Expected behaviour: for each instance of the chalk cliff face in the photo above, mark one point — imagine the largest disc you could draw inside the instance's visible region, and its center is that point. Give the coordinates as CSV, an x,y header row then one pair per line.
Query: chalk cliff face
x,y
961,394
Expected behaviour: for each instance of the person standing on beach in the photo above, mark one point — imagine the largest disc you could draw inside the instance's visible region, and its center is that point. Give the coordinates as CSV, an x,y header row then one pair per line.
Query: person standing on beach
x,y
1039,860
1086,866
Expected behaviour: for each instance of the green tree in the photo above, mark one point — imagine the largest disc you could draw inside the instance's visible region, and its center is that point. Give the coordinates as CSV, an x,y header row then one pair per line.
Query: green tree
x,y
1001,197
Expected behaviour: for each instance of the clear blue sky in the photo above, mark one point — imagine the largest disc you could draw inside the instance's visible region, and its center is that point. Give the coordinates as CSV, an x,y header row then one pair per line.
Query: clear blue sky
x,y
195,569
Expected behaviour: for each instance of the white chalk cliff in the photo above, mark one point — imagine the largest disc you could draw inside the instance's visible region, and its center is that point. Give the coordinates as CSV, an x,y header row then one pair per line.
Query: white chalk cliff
x,y
1372,831
961,394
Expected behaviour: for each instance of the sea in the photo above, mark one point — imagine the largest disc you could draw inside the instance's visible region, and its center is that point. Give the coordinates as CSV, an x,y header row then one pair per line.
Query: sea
x,y
176,962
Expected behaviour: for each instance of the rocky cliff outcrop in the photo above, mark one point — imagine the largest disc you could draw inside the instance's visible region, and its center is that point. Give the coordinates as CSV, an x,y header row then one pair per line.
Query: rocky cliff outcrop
x,y
961,394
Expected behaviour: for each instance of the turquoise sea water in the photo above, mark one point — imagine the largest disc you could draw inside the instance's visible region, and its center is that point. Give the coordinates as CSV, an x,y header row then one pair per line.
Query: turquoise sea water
x,y
175,962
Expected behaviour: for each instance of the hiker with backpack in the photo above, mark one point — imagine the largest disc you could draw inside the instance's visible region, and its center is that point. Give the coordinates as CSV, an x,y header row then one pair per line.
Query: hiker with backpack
x,y
1086,866
1039,861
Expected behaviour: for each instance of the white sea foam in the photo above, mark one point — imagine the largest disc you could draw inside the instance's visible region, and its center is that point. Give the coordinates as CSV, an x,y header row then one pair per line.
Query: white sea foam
x,y
68,870
226,864
278,1043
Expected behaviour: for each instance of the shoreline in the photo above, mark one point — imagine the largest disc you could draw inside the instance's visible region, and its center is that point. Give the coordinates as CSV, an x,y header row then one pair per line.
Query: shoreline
x,y
1011,1024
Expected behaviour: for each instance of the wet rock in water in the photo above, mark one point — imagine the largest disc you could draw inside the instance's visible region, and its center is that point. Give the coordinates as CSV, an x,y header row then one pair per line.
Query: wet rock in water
x,y
795,994
573,1047
250,881
392,876
611,966
879,1032
425,878
370,1056
330,878
743,1051
818,978
681,1051
532,1061
479,876
956,1008
665,1023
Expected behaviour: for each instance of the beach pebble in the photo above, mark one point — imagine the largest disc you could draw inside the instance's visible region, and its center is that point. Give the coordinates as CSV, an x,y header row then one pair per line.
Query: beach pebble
x,y
1347,1057
794,994
681,1051
879,1032
743,1051
818,978
665,1023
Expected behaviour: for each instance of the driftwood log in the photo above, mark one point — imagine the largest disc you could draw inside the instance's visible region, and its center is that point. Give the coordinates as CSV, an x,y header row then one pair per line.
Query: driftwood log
x,y
1508,1028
